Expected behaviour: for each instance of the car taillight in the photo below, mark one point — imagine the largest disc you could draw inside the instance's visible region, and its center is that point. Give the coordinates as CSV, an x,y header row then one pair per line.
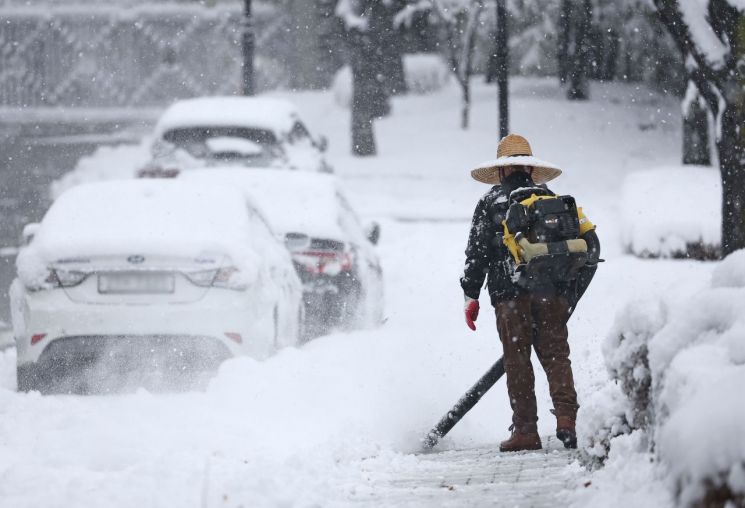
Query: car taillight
x,y
57,278
228,277
324,262
38,337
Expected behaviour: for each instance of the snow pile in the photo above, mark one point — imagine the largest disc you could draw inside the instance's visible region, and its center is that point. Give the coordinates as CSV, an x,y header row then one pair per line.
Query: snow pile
x,y
672,212
119,162
425,73
681,367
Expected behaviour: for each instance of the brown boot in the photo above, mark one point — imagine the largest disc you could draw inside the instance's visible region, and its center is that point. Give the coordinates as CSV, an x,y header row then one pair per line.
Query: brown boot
x,y
565,431
523,438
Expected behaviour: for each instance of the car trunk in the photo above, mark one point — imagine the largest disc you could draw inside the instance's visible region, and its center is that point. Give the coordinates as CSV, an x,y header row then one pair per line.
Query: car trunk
x,y
137,278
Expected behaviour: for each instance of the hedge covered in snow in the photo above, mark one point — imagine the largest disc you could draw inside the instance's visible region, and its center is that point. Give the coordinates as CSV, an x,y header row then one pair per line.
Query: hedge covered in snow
x,y
672,212
678,372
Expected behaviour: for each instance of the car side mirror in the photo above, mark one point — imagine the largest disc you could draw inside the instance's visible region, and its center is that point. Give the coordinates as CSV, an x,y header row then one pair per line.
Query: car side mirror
x,y
322,143
161,148
373,232
29,231
296,242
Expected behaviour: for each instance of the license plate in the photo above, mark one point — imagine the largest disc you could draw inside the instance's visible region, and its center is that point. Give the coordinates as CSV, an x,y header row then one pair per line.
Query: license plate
x,y
136,282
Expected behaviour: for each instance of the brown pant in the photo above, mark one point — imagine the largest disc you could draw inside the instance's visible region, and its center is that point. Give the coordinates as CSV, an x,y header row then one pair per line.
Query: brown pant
x,y
537,320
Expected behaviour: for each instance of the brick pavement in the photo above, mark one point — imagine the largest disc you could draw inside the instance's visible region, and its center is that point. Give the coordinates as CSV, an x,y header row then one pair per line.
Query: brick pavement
x,y
474,478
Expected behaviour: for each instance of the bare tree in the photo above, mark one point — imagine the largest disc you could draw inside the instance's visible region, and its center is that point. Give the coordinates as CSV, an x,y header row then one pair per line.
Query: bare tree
x,y
458,20
713,34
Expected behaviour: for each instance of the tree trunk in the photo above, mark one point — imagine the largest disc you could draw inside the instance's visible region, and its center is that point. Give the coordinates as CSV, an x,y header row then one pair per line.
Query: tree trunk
x,y
565,24
731,147
695,129
363,136
465,104
579,86
462,64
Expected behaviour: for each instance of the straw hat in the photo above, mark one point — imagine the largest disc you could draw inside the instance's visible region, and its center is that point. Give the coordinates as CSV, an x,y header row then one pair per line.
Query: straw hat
x,y
514,150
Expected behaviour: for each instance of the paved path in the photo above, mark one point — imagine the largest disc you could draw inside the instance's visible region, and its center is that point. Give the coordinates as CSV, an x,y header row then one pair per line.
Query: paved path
x,y
473,478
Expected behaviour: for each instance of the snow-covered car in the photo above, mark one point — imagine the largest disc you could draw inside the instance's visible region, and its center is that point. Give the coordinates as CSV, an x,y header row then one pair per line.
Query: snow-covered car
x,y
148,275
246,131
334,254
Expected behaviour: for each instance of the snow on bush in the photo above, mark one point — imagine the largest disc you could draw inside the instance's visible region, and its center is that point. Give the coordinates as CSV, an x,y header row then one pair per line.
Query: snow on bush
x,y
603,416
672,212
119,162
425,73
681,367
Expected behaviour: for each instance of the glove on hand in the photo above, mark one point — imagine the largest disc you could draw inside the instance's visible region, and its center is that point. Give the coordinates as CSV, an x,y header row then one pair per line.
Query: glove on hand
x,y
472,312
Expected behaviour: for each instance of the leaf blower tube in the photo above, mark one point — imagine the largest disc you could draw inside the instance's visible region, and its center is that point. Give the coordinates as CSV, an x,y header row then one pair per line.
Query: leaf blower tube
x,y
464,405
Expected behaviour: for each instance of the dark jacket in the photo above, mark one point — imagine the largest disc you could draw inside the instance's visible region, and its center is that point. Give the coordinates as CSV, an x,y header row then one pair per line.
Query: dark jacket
x,y
488,258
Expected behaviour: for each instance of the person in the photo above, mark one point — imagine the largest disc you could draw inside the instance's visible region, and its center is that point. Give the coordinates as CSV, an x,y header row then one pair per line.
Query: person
x,y
526,318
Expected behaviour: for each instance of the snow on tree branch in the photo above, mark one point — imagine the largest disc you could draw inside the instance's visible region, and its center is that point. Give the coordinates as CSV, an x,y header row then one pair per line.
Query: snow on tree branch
x,y
349,12
702,35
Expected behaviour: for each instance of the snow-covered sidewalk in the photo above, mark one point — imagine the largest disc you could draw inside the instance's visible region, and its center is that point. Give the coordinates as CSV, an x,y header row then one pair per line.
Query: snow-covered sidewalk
x,y
477,477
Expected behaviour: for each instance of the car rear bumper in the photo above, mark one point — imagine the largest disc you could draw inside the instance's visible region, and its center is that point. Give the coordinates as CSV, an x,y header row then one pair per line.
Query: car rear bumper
x,y
217,317
95,364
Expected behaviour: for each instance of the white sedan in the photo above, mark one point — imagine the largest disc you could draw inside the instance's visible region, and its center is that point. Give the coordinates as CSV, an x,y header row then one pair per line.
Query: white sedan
x,y
165,276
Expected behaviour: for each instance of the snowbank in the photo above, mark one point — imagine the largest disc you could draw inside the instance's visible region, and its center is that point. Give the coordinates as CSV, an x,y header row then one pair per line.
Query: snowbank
x,y
672,212
119,162
681,367
424,72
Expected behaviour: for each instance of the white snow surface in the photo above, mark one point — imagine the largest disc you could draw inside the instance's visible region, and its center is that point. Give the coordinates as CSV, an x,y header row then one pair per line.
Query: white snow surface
x,y
666,209
296,429
119,162
272,114
291,201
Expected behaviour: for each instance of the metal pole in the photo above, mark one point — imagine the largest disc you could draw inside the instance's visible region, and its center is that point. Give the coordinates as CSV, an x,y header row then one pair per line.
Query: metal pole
x,y
248,50
502,56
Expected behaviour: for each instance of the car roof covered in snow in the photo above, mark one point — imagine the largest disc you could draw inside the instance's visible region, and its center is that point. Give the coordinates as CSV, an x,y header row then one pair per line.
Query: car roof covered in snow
x,y
275,115
292,201
144,217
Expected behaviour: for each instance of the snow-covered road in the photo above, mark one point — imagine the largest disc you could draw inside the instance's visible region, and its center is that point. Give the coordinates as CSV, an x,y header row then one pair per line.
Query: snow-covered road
x,y
335,422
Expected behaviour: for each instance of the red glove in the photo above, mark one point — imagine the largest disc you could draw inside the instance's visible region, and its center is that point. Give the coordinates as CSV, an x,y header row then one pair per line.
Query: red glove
x,y
472,312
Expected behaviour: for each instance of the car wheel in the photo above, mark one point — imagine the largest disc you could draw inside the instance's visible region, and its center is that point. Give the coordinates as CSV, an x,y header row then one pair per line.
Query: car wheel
x,y
352,315
30,378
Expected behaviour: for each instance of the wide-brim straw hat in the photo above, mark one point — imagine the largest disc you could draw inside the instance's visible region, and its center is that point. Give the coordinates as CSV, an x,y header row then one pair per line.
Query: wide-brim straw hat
x,y
514,150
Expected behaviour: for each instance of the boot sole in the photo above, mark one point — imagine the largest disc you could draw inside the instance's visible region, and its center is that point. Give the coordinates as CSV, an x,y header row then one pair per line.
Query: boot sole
x,y
568,438
521,449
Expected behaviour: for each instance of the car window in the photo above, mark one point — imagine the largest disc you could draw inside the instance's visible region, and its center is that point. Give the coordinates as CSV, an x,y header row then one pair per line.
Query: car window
x,y
183,137
227,144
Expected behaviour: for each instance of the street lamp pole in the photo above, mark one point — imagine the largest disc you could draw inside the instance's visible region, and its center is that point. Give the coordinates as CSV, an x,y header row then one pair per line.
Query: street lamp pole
x,y
502,57
248,50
